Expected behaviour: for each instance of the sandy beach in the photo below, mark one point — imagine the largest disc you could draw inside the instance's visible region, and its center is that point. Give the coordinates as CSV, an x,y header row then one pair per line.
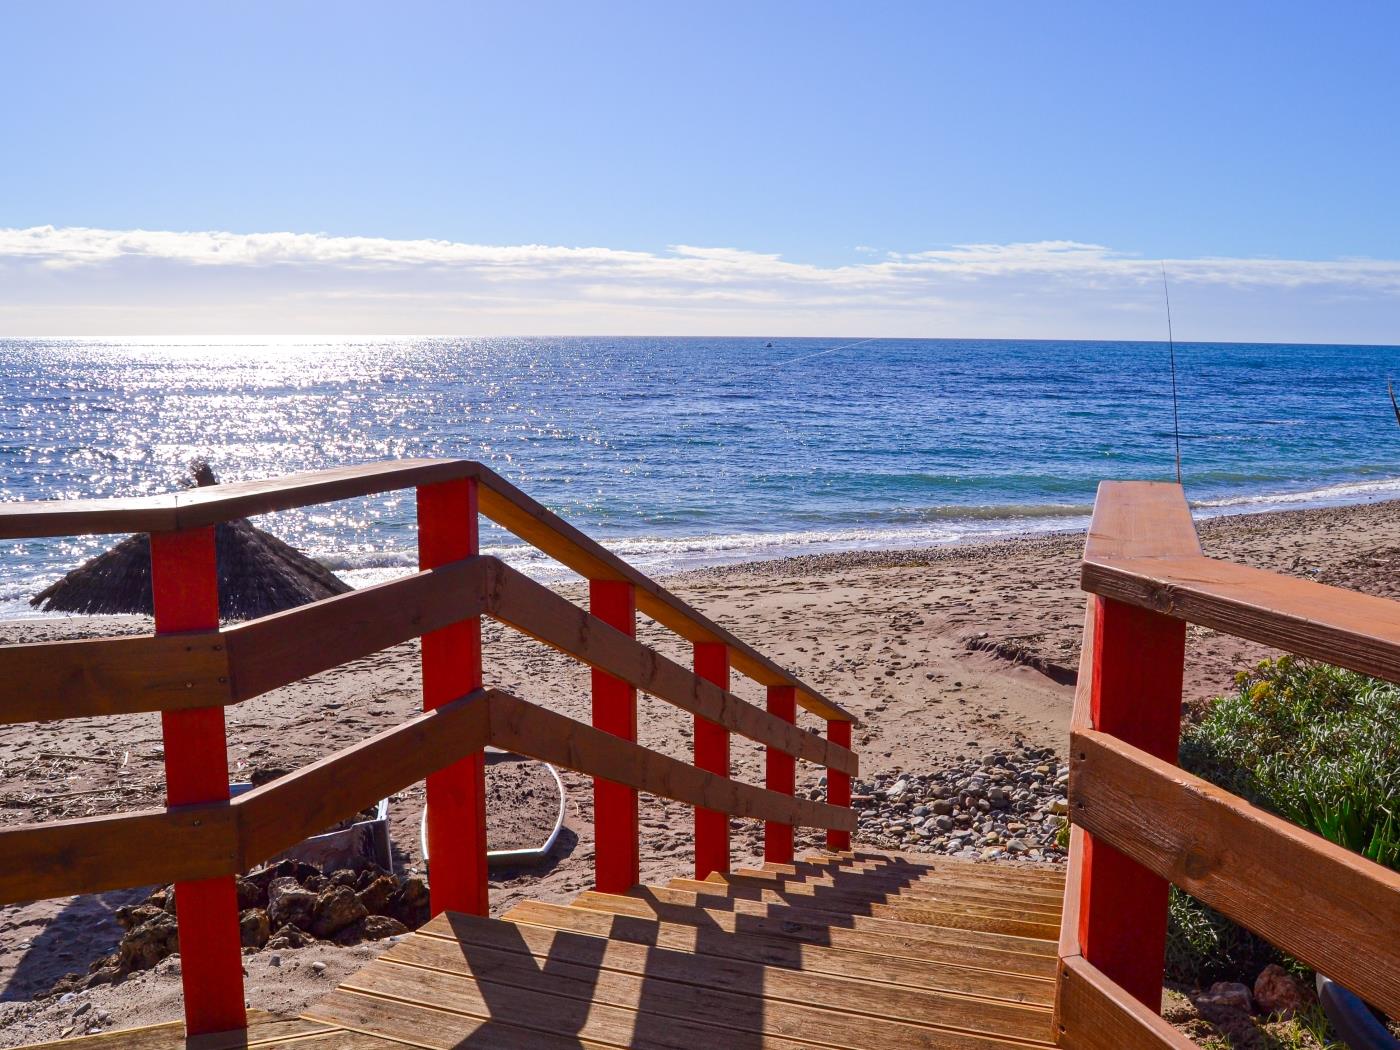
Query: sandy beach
x,y
942,652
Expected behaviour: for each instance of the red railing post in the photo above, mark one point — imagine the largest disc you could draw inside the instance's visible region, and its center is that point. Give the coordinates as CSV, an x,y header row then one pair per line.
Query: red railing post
x,y
447,532
781,775
616,865
185,597
1138,658
838,784
711,753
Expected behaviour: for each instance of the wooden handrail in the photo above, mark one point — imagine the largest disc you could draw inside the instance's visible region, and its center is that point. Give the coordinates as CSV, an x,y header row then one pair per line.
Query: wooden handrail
x,y
530,607
500,501
197,507
81,678
192,669
96,854
1334,909
1360,632
1094,1013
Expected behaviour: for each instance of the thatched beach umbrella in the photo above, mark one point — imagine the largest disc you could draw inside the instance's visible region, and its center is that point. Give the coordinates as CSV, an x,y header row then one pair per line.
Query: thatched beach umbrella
x,y
258,574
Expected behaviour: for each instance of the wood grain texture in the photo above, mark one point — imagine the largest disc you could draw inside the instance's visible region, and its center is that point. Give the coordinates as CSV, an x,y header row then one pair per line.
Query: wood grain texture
x,y
931,913
288,646
534,609
458,1028
506,505
244,499
1093,1013
1073,895
873,886
857,933
522,727
285,811
500,501
770,950
644,1011
113,676
264,1030
82,517
1333,909
700,988
1140,519
545,1002
96,854
1360,632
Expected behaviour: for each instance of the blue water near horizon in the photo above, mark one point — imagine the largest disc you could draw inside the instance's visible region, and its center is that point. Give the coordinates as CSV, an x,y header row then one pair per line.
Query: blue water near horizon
x,y
679,453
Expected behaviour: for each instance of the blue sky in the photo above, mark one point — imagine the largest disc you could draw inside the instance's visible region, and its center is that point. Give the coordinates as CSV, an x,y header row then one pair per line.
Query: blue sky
x,y
833,136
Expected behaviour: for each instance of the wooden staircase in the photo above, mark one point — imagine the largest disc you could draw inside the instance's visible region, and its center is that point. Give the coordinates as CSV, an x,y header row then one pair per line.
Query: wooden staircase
x,y
849,950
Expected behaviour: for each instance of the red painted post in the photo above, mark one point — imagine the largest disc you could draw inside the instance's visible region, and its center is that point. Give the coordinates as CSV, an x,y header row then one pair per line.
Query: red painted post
x,y
616,865
185,597
447,532
781,776
711,753
838,784
1136,696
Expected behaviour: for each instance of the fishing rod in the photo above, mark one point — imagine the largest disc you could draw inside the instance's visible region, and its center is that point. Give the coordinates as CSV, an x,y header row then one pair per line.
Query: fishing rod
x,y
1171,346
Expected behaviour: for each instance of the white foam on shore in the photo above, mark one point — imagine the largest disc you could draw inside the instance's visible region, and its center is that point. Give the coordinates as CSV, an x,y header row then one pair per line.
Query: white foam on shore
x,y
663,555
1340,495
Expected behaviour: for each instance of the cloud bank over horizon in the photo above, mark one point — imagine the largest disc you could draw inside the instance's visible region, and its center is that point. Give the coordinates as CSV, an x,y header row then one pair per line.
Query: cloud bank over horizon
x,y
84,281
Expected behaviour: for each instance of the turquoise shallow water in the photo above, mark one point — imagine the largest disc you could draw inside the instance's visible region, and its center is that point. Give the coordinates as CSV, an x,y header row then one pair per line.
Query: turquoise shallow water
x,y
683,452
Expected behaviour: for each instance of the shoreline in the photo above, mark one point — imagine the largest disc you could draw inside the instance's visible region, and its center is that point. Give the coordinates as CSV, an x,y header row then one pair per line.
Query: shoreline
x,y
944,653
362,569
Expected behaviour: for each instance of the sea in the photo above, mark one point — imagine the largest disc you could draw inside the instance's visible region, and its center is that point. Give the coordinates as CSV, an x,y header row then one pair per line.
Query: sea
x,y
682,453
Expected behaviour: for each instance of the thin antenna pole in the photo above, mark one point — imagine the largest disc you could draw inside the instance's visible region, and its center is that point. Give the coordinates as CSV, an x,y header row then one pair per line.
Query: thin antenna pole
x,y
1171,345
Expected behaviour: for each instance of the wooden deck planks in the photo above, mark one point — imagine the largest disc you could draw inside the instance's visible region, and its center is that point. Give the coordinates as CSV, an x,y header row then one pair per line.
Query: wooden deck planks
x,y
776,950
780,958
961,917
872,936
685,984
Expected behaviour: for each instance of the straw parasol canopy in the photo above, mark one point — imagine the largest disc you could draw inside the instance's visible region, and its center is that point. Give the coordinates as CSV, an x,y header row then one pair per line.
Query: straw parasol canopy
x,y
258,574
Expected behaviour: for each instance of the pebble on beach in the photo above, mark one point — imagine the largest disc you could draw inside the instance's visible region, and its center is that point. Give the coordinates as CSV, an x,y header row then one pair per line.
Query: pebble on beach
x,y
1007,805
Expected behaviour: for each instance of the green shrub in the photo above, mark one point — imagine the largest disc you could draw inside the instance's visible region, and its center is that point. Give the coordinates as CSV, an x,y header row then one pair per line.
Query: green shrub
x,y
1315,744
1204,946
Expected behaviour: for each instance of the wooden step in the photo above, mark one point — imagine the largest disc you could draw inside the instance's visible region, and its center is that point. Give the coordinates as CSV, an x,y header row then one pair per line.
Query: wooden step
x,y
1024,875
1032,956
698,988
970,882
853,897
923,895
453,991
776,950
926,890
1020,870
954,917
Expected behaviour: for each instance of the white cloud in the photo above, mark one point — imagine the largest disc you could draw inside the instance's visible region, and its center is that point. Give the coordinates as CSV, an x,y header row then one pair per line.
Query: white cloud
x,y
78,280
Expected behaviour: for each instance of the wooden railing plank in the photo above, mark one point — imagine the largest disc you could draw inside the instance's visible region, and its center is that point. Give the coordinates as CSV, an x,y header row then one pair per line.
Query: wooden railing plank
x,y
533,609
288,646
506,505
1360,632
1140,519
1093,1013
550,737
32,519
1333,909
243,499
96,854
281,813
500,501
209,840
83,678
